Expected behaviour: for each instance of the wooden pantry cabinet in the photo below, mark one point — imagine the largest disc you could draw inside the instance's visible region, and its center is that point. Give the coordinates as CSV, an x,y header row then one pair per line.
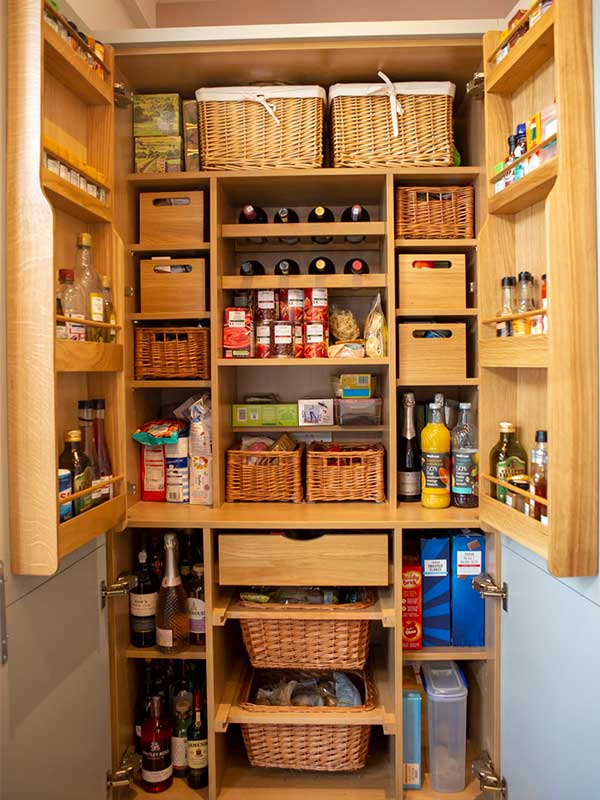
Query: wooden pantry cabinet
x,y
543,223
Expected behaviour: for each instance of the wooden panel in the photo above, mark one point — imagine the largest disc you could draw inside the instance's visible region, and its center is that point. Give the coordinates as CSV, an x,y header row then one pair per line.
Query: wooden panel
x,y
191,654
515,351
74,200
65,120
421,288
420,358
178,292
87,356
179,225
525,530
73,71
81,529
302,362
331,559
527,191
354,282
448,653
305,229
436,245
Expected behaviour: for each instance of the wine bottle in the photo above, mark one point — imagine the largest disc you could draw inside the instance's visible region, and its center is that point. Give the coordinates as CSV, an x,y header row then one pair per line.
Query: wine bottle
x,y
321,214
409,458
197,747
321,266
252,267
172,626
286,216
356,266
88,443
287,266
142,705
253,215
156,556
142,604
157,763
104,463
196,607
186,561
355,213
179,739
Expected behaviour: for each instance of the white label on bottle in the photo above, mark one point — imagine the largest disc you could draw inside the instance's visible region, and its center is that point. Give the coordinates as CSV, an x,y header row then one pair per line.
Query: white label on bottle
x,y
409,484
197,615
97,307
107,492
164,637
315,333
143,605
75,332
283,333
179,751
97,495
151,776
266,298
434,567
468,562
197,754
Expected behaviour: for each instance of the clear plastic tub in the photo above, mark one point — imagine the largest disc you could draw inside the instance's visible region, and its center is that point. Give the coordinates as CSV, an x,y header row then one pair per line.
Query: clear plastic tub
x,y
446,689
358,411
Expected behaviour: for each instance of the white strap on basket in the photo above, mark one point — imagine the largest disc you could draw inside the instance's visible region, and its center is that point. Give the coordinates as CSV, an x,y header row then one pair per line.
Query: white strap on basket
x,y
260,98
396,109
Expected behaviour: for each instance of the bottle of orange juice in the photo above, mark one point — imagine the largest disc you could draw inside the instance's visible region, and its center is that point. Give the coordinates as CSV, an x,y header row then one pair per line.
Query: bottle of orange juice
x,y
435,461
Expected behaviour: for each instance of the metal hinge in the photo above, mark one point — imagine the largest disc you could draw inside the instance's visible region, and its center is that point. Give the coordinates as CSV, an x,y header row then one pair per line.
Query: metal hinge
x,y
476,86
3,626
122,95
485,585
125,582
131,489
123,776
491,785
129,291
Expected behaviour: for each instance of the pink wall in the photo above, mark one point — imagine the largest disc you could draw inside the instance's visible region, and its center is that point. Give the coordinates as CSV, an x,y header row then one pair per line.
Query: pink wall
x,y
259,12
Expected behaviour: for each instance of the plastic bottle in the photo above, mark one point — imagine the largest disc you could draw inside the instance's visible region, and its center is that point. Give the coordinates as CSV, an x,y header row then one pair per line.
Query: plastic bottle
x,y
435,461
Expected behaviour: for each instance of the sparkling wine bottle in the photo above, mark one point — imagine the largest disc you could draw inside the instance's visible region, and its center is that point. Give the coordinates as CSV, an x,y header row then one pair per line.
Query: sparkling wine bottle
x,y
157,763
142,705
172,625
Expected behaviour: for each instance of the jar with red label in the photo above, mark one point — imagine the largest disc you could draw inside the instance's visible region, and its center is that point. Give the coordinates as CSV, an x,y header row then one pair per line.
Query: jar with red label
x,y
316,305
291,305
264,340
315,340
267,303
298,340
283,346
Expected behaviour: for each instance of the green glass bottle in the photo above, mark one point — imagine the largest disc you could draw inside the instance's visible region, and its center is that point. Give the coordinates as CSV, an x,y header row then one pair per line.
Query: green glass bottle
x,y
507,458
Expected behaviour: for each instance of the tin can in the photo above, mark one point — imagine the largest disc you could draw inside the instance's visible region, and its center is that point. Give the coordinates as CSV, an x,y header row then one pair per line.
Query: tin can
x,y
65,489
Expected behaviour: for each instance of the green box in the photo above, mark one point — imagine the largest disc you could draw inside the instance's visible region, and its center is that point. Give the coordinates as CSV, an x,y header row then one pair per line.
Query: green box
x,y
246,415
156,115
159,154
281,415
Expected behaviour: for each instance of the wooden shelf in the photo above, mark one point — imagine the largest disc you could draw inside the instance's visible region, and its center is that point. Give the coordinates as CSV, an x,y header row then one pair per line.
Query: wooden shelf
x,y
191,654
200,247
516,525
308,428
179,791
472,790
72,71
335,229
83,528
515,351
525,192
168,384
433,382
157,316
370,281
302,362
64,154
531,52
435,245
73,200
437,312
448,654
70,356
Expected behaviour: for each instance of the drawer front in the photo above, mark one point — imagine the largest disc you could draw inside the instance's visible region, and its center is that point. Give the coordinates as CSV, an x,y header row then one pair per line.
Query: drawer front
x,y
442,286
419,358
180,291
172,219
330,560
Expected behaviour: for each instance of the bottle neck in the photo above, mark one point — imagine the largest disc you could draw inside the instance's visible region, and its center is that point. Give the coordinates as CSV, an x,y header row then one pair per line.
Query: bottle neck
x,y
156,708
525,296
408,426
507,299
463,416
507,437
84,257
171,577
436,416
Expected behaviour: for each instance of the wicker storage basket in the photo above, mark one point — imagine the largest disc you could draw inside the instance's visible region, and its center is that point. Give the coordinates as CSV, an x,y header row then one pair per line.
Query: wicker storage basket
x,y
392,124
427,212
307,643
348,475
324,748
261,127
254,476
172,353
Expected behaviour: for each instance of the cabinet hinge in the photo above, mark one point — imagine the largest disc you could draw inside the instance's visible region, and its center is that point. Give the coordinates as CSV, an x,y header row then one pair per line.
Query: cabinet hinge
x,y
129,291
485,585
123,775
3,626
476,86
125,582
131,489
122,95
491,785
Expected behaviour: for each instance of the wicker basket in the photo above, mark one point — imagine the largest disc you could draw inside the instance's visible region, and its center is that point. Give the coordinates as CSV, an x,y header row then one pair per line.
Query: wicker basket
x,y
392,124
428,212
172,353
349,475
261,127
323,748
265,476
307,643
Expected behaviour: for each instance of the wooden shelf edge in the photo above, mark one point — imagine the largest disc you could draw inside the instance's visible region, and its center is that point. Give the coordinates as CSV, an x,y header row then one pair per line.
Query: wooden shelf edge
x,y
72,199
198,247
448,654
401,382
526,192
522,529
435,245
73,71
191,654
300,362
372,280
70,356
167,315
515,351
168,384
87,526
272,230
437,312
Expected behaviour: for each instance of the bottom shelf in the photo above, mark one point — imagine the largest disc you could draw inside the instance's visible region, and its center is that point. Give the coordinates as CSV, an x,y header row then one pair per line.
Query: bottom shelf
x,y
470,792
178,791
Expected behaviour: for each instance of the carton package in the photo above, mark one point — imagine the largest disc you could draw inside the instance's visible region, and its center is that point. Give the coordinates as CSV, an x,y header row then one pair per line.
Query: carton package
x,y
191,141
411,739
315,412
201,481
178,470
158,154
412,623
468,609
283,415
412,681
154,473
435,563
356,385
156,115
246,415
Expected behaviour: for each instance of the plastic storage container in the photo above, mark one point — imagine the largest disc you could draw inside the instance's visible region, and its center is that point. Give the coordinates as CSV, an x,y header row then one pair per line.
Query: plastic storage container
x,y
358,411
447,720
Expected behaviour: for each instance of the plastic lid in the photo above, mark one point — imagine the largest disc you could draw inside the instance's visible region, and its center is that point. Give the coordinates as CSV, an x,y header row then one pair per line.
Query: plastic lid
x,y
84,404
320,263
509,280
541,436
73,436
464,405
319,211
66,275
521,130
198,569
525,276
99,403
444,680
544,276
84,239
507,427
435,406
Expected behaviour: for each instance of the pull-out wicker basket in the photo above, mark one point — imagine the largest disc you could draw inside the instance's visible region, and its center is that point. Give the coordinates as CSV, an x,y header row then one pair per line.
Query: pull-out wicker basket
x,y
306,643
392,124
261,127
262,476
324,748
172,353
356,474
428,212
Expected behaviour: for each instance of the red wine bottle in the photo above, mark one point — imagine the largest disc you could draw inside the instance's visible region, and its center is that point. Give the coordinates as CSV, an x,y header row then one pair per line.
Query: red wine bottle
x,y
157,764
253,215
321,214
355,213
287,266
252,268
356,266
321,266
142,604
287,216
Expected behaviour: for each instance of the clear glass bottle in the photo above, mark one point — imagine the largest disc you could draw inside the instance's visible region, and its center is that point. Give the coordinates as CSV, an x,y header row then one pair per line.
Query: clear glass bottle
x,y
88,442
109,334
196,607
509,306
465,461
539,477
90,282
197,746
104,462
172,625
409,457
157,762
75,460
435,461
507,458
72,302
522,327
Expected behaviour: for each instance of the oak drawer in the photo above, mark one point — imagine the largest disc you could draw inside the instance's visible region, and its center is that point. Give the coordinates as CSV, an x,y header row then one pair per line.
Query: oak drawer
x,y
421,358
177,286
172,219
439,286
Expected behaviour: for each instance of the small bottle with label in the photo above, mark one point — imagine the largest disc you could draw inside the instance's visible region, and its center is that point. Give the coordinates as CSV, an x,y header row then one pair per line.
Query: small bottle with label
x,y
157,762
509,306
75,460
507,458
539,477
435,461
197,747
522,327
465,461
196,607
179,739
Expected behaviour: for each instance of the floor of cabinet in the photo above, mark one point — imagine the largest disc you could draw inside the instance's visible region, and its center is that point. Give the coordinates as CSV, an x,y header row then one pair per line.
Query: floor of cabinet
x,y
179,790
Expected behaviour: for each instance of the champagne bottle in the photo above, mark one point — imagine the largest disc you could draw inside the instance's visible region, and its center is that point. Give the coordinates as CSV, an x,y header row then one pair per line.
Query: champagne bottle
x,y
172,625
321,266
321,214
286,216
409,458
355,213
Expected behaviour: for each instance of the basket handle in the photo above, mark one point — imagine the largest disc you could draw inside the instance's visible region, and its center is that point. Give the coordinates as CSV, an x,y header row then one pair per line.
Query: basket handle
x,y
396,109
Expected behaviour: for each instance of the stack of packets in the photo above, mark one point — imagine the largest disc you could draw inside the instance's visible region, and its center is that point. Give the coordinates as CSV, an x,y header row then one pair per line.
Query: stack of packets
x,y
176,459
158,120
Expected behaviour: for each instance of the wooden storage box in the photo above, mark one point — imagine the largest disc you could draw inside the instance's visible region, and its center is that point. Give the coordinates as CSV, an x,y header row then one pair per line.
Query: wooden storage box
x,y
430,212
172,285
265,476
421,358
355,473
172,219
168,353
332,559
440,287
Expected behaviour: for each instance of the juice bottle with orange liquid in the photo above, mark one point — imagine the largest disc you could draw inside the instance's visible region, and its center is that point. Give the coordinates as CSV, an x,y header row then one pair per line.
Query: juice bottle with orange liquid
x,y
435,461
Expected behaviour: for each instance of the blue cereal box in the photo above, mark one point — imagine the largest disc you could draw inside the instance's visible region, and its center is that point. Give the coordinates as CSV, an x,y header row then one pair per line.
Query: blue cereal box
x,y
468,610
435,562
411,738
